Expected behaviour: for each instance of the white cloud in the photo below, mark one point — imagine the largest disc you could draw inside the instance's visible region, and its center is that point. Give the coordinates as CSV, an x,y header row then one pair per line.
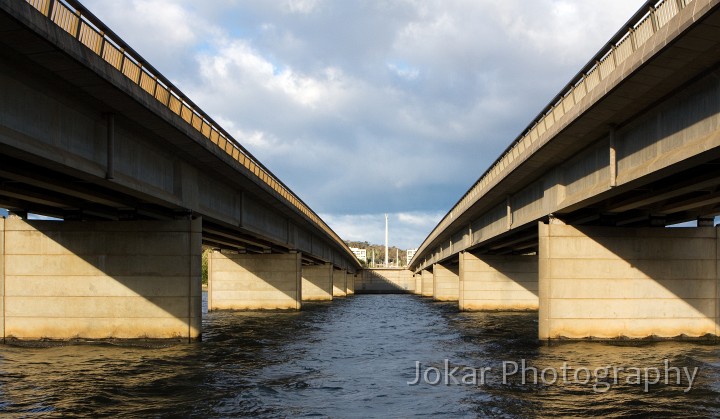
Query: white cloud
x,y
419,218
165,32
42,217
238,63
166,17
300,6
404,71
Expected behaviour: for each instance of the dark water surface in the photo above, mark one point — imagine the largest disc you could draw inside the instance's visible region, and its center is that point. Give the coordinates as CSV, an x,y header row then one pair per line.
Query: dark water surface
x,y
353,358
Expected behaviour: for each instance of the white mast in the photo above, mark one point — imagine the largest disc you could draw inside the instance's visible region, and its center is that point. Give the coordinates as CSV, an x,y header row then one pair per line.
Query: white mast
x,y
386,240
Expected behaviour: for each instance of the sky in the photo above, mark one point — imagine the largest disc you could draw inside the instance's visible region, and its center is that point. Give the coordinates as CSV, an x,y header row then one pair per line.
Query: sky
x,y
366,107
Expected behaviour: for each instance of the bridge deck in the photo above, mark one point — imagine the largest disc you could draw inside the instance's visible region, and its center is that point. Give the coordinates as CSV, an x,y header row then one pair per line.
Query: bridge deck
x,y
92,131
561,164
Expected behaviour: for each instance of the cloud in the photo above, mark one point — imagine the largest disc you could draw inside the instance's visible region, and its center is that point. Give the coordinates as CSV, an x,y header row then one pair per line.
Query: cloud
x,y
167,33
42,217
404,71
4,213
301,6
237,72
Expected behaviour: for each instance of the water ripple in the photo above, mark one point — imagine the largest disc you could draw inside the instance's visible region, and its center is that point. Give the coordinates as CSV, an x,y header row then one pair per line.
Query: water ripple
x,y
353,358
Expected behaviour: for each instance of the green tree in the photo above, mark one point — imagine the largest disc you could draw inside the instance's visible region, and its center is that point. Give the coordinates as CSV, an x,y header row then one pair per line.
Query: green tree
x,y
205,255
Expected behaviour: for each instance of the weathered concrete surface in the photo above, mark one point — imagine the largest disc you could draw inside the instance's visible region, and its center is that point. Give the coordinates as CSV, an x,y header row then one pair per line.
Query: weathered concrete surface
x,y
386,281
446,283
418,284
241,281
95,280
317,282
427,283
350,283
634,282
339,283
498,282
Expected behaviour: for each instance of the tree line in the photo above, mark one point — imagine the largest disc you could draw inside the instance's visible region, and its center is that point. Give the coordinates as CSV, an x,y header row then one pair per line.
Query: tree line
x,y
379,250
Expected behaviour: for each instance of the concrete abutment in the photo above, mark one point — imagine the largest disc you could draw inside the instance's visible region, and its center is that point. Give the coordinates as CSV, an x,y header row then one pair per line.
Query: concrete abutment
x,y
386,281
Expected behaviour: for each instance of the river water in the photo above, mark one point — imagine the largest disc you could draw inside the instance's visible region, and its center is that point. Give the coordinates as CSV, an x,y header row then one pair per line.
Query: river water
x,y
354,357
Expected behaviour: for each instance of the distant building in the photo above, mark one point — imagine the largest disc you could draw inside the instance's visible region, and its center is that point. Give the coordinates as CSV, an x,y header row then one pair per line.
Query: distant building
x,y
410,254
360,253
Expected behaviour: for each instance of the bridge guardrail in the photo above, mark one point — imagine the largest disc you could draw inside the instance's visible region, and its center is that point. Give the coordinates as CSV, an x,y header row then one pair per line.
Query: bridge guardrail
x,y
652,17
76,20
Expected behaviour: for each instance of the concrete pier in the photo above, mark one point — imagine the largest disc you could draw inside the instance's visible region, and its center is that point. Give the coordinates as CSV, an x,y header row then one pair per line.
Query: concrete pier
x,y
339,283
244,281
317,282
97,280
446,282
350,283
418,284
627,282
427,283
498,282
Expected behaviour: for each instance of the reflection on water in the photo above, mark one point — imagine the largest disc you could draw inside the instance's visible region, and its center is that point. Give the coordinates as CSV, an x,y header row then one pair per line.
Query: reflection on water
x,y
353,358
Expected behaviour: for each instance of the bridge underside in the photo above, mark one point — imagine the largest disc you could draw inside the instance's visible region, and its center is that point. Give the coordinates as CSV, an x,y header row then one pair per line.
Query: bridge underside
x,y
602,179
89,144
603,265
594,282
138,280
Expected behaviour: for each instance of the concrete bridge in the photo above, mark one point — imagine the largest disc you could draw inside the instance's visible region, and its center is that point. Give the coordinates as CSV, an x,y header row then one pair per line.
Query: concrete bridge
x,y
92,134
568,221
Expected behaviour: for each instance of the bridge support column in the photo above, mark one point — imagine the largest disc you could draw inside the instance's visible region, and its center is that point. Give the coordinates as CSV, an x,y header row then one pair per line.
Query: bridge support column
x,y
350,284
446,283
418,284
317,282
244,281
627,282
427,283
97,280
339,281
498,282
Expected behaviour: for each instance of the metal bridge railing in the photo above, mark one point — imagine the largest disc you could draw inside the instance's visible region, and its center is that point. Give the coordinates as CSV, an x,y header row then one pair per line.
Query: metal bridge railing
x,y
644,24
71,16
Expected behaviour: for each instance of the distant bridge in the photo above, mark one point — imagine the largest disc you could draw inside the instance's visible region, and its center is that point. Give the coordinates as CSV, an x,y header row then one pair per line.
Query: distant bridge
x,y
565,220
91,133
